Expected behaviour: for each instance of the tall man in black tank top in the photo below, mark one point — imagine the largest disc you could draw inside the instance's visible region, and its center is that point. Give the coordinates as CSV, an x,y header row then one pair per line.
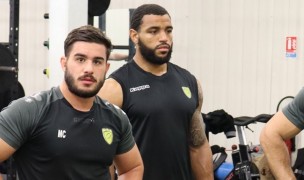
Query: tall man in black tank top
x,y
163,102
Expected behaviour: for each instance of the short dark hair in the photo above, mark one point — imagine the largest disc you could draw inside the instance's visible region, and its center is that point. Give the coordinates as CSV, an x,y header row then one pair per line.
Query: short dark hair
x,y
87,33
145,9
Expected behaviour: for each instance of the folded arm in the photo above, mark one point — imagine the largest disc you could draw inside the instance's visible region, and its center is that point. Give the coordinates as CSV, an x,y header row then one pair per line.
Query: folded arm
x,y
272,139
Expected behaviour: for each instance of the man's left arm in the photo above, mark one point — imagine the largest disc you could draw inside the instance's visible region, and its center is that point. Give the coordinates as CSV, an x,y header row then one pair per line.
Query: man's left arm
x,y
129,165
200,151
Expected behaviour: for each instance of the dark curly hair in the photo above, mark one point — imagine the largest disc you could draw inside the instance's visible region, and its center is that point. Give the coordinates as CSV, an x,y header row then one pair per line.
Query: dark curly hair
x,y
146,9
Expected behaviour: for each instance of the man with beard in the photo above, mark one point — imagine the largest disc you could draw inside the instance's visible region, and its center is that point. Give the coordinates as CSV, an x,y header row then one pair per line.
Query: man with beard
x,y
68,132
163,102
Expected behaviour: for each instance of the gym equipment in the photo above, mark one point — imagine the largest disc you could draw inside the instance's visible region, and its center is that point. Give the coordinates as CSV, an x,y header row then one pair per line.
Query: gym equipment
x,y
223,171
8,69
130,47
284,101
219,121
242,167
9,51
298,167
96,8
221,168
216,122
46,16
10,87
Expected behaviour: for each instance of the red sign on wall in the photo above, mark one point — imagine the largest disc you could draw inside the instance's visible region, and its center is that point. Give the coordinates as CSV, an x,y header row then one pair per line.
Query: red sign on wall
x,y
291,46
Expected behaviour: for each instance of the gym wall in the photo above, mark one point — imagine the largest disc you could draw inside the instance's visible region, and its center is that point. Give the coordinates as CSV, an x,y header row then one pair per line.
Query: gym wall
x,y
33,31
236,49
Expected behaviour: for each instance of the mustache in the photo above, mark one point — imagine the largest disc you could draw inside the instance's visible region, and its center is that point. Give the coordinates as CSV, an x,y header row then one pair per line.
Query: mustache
x,y
87,76
164,44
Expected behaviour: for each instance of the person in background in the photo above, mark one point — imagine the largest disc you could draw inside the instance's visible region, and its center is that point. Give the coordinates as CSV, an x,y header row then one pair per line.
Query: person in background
x,y
285,124
163,102
68,132
118,56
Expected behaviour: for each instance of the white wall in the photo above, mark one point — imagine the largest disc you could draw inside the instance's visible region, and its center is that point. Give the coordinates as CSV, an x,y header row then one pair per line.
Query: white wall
x,y
235,48
65,15
117,28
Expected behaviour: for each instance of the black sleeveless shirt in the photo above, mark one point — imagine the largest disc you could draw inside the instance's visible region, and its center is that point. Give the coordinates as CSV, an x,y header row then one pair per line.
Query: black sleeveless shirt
x,y
160,109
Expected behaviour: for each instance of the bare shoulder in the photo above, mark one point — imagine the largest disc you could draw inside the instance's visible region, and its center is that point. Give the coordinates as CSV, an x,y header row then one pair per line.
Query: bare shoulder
x,y
197,126
112,92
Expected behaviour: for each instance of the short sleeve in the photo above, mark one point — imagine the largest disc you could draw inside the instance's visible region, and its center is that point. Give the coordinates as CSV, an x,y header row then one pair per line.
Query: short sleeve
x,y
127,141
294,111
15,122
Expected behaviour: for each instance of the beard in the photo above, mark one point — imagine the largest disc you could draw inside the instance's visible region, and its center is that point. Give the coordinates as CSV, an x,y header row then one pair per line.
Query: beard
x,y
150,54
78,92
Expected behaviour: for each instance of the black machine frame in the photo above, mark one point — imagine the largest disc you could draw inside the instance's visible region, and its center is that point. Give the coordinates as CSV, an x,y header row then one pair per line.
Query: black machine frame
x,y
13,43
13,46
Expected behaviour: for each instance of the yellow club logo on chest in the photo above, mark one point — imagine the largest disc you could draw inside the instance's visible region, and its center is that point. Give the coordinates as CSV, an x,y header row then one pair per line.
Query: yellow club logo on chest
x,y
187,92
107,135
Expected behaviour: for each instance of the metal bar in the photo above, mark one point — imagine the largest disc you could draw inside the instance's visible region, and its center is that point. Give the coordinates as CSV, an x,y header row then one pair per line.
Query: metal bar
x,y
14,29
120,47
8,68
102,22
13,46
131,44
241,135
90,20
6,44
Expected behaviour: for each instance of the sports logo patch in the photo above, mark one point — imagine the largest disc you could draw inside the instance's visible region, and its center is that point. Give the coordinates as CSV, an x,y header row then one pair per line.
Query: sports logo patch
x,y
107,135
187,92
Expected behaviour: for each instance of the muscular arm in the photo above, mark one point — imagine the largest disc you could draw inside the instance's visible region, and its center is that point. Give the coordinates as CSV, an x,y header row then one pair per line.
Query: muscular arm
x,y
112,92
129,165
200,152
272,137
5,150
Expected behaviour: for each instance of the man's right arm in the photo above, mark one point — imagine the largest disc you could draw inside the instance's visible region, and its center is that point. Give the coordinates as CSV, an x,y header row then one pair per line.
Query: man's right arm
x,y
272,139
12,128
5,150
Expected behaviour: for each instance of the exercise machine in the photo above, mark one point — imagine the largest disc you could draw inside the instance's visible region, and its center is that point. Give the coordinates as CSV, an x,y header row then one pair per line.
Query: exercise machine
x,y
242,166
